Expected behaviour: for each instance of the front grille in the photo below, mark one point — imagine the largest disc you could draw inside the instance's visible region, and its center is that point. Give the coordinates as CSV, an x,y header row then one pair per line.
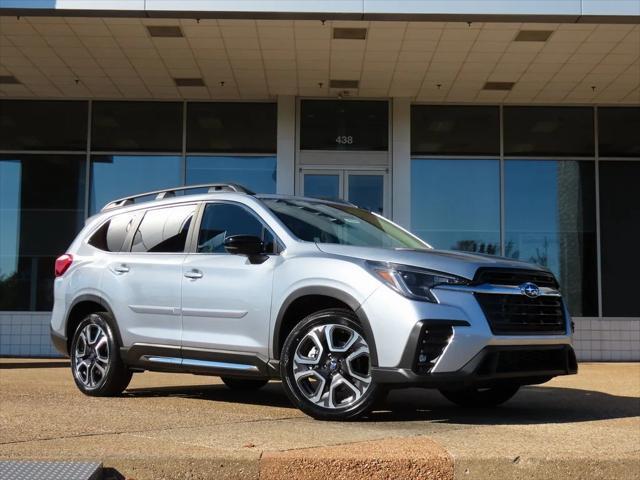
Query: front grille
x,y
514,277
521,315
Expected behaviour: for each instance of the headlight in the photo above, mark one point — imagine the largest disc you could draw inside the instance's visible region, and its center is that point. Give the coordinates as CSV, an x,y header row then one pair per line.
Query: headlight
x,y
413,282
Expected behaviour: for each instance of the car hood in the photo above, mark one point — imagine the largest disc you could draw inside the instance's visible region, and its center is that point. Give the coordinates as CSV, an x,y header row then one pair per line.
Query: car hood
x,y
458,263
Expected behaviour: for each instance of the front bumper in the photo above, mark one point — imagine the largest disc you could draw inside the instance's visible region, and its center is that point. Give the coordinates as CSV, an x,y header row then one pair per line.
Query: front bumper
x,y
523,364
458,327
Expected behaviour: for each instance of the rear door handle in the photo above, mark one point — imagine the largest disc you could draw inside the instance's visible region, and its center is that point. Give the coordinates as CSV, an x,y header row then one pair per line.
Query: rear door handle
x,y
121,268
193,274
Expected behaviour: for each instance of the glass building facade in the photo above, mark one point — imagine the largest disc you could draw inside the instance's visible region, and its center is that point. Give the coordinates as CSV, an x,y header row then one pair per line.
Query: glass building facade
x,y
557,186
62,161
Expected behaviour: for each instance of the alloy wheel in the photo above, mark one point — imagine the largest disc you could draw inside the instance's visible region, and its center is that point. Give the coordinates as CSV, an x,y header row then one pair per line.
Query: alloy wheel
x,y
331,366
91,356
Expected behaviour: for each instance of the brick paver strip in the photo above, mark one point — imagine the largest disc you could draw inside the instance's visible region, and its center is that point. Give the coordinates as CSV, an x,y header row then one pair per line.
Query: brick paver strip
x,y
406,458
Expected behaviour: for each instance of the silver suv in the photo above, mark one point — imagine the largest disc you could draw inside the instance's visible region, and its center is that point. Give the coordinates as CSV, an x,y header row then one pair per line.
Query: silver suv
x,y
337,302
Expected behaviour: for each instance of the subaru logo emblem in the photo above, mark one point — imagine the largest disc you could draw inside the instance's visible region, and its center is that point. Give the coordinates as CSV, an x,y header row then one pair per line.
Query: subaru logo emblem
x,y
531,290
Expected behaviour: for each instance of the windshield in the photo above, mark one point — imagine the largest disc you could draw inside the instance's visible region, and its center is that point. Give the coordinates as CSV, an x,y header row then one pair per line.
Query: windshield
x,y
343,224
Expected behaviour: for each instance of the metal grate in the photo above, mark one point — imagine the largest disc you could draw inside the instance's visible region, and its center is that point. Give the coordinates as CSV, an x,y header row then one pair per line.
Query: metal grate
x,y
505,86
350,33
344,83
514,277
9,80
533,36
27,470
519,314
164,31
189,82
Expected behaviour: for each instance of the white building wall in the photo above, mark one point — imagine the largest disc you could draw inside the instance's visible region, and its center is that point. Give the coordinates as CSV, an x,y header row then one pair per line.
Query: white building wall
x,y
286,145
401,161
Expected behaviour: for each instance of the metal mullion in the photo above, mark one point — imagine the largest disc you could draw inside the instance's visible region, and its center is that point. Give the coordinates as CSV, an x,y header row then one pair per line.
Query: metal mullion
x,y
184,145
87,177
548,158
619,159
44,152
454,157
137,154
598,235
502,201
230,154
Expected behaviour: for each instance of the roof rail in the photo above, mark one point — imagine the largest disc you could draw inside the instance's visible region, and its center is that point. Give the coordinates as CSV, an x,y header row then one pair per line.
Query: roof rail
x,y
171,192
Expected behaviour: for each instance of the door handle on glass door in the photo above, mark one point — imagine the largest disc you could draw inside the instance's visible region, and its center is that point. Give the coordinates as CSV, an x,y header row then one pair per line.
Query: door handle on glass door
x,y
193,274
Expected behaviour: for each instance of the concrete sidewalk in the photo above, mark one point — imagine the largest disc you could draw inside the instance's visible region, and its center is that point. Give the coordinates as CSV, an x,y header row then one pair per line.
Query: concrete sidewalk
x,y
193,427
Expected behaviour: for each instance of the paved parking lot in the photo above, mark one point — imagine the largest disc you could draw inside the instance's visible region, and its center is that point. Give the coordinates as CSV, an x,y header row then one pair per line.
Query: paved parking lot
x,y
193,427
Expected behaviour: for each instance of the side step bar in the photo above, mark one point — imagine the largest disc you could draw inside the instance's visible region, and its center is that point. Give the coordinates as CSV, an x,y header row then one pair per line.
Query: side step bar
x,y
192,362
171,358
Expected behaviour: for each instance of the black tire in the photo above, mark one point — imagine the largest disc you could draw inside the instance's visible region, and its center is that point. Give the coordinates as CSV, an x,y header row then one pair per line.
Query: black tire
x,y
481,397
235,383
86,354
369,390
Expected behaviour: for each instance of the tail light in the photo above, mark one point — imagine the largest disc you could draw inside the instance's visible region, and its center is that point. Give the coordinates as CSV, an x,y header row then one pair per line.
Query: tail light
x,y
63,262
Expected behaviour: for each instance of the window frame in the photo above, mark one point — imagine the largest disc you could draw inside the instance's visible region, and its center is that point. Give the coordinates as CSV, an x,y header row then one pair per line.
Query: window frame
x,y
192,238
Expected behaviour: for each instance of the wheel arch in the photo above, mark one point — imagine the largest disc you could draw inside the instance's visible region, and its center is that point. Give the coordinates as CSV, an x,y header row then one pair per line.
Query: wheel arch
x,y
82,306
307,300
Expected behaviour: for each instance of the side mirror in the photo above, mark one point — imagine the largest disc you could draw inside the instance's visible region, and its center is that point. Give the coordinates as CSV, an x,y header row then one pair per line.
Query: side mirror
x,y
244,245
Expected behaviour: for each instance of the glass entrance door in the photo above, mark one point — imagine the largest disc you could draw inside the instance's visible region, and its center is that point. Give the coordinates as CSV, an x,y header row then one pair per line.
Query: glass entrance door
x,y
365,188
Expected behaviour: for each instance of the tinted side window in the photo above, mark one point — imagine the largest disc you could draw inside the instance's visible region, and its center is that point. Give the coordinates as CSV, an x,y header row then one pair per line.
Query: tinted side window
x,y
111,236
222,220
163,230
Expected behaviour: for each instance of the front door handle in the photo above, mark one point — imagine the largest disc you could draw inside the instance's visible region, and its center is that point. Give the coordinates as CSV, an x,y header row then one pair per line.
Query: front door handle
x,y
193,274
122,268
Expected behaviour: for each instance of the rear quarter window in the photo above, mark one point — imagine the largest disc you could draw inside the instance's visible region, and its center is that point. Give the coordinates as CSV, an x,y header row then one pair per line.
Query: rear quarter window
x,y
111,236
164,230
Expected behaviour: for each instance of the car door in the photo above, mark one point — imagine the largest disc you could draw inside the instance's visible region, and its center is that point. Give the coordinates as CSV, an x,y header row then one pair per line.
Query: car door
x,y
144,283
226,298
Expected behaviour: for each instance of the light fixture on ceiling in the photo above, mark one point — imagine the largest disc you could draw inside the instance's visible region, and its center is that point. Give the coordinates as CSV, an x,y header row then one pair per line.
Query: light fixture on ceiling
x,y
342,84
9,80
189,82
500,86
164,31
350,33
533,35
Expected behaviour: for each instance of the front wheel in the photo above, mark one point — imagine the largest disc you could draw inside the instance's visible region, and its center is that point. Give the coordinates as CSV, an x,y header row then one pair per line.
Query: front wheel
x,y
481,397
96,365
326,368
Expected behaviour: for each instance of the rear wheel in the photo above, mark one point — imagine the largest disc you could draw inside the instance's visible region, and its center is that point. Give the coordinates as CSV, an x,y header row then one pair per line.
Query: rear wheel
x,y
235,383
96,365
325,366
481,397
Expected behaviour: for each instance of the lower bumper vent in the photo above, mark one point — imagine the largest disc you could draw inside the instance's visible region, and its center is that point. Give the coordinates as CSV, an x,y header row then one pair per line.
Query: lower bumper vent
x,y
507,361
